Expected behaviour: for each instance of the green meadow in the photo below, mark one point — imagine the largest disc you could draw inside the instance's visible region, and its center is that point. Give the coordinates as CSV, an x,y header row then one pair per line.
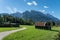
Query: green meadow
x,y
2,29
34,34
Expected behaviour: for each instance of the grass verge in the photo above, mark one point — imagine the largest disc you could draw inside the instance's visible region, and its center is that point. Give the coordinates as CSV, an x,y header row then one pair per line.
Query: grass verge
x,y
2,29
34,34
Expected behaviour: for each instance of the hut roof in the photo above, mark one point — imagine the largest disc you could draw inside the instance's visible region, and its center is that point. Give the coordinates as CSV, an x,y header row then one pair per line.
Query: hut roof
x,y
40,23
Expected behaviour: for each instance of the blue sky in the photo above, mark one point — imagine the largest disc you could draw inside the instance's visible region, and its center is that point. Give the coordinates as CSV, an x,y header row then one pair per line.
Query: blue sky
x,y
45,6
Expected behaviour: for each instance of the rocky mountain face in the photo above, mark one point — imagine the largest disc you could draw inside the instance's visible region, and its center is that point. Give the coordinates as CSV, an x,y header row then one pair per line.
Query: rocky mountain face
x,y
39,16
33,15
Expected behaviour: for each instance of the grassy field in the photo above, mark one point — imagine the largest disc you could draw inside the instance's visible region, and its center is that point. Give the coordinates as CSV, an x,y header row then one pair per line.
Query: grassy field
x,y
34,34
2,29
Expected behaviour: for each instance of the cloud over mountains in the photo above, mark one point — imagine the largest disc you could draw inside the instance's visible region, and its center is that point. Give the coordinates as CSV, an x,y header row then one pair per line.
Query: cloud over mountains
x,y
32,3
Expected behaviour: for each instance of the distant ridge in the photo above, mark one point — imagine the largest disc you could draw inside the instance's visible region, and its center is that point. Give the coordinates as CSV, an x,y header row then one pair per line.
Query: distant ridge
x,y
34,16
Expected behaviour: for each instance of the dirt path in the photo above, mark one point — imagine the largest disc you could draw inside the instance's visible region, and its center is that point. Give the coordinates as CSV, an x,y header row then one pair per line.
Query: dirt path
x,y
3,34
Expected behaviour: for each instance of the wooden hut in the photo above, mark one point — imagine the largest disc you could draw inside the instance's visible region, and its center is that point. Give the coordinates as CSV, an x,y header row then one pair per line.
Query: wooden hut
x,y
43,25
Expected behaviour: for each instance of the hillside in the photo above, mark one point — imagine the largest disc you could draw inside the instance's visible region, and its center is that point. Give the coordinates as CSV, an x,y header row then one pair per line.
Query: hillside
x,y
39,16
34,16
17,14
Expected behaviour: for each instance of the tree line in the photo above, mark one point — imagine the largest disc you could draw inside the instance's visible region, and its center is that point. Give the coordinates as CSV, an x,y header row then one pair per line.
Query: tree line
x,y
11,19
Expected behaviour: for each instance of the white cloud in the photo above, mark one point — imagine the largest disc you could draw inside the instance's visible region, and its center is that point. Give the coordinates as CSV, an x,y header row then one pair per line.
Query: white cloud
x,y
32,3
29,3
52,11
9,9
45,6
42,11
15,9
12,10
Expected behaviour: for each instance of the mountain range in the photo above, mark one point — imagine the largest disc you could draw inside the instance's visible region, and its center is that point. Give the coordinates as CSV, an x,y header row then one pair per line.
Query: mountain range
x,y
35,16
39,16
